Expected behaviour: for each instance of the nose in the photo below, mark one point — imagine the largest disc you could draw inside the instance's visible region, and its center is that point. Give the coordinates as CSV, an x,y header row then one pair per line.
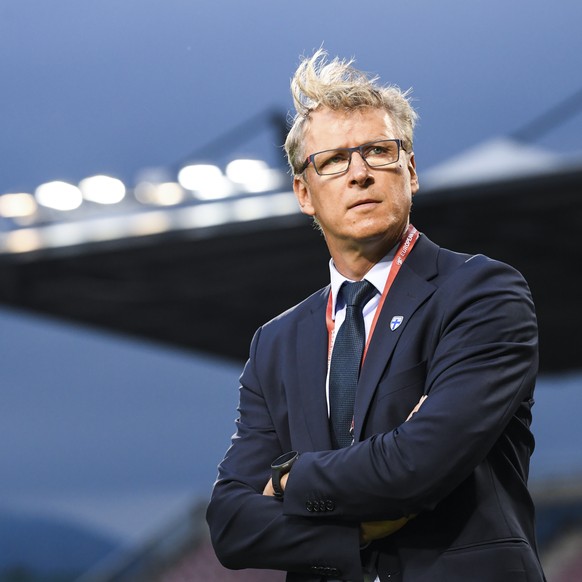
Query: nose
x,y
359,170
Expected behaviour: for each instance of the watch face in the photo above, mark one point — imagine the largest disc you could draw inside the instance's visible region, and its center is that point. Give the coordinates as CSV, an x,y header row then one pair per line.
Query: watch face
x,y
284,458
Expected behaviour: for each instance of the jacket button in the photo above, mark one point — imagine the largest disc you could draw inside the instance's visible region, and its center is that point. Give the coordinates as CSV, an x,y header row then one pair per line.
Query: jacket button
x,y
309,505
329,505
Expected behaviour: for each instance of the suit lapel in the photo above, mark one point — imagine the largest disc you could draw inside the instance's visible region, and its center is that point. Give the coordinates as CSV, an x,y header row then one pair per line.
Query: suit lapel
x,y
312,369
408,292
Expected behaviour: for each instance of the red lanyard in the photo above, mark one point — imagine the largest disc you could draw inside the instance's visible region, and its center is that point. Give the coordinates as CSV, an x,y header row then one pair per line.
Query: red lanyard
x,y
401,255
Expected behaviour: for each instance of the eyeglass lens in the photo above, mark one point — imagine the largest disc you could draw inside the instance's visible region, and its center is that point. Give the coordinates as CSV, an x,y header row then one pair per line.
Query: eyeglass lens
x,y
379,153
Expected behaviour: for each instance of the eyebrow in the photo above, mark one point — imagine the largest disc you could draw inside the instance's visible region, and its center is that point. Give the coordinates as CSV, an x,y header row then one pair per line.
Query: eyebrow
x,y
371,140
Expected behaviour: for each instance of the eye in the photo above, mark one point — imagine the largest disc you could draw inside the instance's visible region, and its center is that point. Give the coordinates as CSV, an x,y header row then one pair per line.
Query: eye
x,y
332,158
376,150
381,153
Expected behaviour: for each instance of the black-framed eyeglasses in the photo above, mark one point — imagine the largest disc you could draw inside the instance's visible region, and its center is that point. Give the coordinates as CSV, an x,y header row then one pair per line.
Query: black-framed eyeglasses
x,y
375,153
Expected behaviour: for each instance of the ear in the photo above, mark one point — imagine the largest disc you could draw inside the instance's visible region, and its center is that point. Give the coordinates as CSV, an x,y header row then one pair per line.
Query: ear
x,y
414,185
303,195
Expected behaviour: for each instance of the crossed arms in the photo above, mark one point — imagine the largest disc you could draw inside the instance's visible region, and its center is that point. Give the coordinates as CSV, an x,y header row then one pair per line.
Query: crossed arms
x,y
481,368
369,530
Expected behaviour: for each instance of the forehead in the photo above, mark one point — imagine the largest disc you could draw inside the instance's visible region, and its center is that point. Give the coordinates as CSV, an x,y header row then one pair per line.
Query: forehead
x,y
328,129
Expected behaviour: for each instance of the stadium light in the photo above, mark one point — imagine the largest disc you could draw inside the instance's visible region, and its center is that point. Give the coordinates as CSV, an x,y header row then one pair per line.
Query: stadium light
x,y
164,194
17,205
59,196
254,175
206,181
102,189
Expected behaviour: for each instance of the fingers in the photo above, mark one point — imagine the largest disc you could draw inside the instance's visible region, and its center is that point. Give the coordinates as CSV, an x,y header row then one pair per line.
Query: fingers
x,y
417,407
375,530
268,490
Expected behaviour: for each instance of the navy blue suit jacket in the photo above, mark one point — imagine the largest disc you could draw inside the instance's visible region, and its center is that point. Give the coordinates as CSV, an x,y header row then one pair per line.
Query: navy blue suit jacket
x,y
469,341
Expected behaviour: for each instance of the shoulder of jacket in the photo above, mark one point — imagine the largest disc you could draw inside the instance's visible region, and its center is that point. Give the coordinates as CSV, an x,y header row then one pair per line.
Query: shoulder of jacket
x,y
314,301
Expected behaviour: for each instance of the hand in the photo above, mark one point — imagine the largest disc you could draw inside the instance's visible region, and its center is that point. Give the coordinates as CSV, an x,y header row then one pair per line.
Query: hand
x,y
269,491
372,526
417,407
375,530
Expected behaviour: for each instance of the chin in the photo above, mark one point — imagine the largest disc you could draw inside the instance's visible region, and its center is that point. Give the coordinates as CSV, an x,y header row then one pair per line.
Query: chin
x,y
381,230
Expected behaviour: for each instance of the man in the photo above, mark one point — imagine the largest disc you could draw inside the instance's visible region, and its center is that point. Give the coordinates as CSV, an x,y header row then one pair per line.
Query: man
x,y
424,478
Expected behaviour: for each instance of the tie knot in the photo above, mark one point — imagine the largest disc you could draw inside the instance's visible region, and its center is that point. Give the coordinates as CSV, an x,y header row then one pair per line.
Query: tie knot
x,y
358,293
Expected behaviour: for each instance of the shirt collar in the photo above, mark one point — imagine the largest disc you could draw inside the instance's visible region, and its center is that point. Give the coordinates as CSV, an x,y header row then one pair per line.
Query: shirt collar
x,y
377,275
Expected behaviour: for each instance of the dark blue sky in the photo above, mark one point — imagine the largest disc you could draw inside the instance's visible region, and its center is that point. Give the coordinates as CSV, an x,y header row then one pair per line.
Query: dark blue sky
x,y
116,86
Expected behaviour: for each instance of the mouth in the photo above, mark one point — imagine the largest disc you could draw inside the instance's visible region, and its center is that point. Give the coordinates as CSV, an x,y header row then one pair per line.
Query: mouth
x,y
363,204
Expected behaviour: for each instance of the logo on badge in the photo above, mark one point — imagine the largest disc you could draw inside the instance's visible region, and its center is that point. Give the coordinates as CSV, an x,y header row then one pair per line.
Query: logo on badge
x,y
396,321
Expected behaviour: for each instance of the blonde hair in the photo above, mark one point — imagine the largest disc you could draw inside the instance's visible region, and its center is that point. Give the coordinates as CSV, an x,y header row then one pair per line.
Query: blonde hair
x,y
337,85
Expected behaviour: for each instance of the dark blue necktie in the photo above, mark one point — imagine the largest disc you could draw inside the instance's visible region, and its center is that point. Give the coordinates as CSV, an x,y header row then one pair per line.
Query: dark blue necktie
x,y
346,360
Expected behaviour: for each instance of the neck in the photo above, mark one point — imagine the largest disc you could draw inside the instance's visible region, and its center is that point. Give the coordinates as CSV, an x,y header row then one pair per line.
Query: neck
x,y
354,260
354,268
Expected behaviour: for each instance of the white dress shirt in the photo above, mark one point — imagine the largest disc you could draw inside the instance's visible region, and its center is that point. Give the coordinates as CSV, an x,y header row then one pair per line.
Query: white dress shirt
x,y
377,276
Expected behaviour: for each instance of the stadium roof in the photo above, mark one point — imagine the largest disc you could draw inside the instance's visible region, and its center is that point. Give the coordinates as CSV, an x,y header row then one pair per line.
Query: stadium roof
x,y
218,269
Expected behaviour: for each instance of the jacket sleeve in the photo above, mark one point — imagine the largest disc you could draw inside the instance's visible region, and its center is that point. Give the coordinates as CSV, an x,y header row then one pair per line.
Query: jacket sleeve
x,y
481,365
249,530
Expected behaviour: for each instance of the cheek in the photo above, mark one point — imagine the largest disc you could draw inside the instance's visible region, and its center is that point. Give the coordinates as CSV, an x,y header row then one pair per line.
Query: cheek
x,y
400,204
320,202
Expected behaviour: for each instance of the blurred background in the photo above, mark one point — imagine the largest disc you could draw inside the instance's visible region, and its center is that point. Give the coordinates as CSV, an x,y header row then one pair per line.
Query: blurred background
x,y
148,227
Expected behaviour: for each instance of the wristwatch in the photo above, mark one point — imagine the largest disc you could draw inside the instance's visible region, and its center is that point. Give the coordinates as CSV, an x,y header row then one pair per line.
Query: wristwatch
x,y
279,467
